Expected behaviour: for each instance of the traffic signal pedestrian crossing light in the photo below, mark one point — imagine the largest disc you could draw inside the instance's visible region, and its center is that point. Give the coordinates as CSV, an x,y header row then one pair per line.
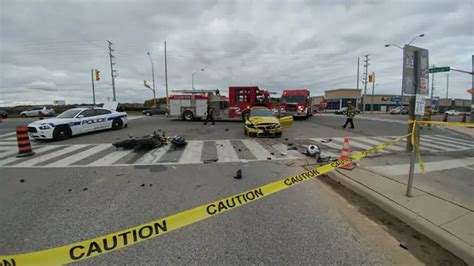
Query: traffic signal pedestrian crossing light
x,y
371,78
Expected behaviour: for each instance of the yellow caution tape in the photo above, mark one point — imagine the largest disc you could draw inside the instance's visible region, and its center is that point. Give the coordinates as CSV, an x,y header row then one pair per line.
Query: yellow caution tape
x,y
114,241
451,124
415,139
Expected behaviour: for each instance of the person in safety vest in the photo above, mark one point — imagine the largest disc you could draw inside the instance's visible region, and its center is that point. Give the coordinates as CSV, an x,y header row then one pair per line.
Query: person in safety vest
x,y
350,113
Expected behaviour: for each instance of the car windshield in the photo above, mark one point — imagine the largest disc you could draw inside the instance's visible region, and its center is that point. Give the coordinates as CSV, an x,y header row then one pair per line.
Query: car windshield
x,y
69,113
293,99
261,113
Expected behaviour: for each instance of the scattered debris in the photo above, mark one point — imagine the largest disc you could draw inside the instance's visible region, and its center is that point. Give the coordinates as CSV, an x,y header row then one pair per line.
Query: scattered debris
x,y
226,129
272,153
292,148
210,160
238,175
119,175
326,140
179,141
240,150
244,161
22,180
403,246
142,185
69,190
174,167
84,189
290,144
269,158
286,139
151,185
283,153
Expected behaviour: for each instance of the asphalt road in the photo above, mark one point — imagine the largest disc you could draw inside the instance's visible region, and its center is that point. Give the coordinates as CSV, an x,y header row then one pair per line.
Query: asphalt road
x,y
306,224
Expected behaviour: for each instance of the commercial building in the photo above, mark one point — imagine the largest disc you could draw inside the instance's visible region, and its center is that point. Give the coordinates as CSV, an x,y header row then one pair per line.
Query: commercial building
x,y
339,98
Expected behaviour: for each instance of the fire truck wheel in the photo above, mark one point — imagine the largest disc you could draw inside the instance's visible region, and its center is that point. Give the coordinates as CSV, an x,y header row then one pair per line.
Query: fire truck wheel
x,y
245,115
188,116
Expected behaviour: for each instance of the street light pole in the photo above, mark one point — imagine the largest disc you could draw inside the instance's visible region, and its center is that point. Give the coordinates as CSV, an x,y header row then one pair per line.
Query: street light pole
x,y
192,77
153,78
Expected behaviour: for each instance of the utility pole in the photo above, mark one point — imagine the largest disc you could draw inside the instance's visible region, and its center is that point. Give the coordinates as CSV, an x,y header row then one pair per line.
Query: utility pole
x,y
358,65
432,85
373,89
112,71
447,89
472,87
166,81
366,65
93,90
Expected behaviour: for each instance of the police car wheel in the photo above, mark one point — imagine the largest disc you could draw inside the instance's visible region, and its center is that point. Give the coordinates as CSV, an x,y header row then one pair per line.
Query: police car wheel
x,y
62,133
117,124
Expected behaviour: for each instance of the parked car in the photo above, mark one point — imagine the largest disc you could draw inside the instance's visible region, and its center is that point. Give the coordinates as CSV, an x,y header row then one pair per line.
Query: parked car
x,y
452,112
3,114
343,111
399,110
155,110
46,111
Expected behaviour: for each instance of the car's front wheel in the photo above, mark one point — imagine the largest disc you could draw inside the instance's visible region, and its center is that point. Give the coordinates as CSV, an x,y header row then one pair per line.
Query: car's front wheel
x,y
148,114
23,115
117,124
62,133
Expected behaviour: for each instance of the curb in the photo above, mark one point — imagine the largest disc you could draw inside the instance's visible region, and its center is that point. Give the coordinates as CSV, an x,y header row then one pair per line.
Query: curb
x,y
448,241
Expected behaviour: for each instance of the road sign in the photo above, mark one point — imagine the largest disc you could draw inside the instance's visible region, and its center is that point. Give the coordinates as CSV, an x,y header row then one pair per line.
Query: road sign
x,y
420,104
440,69
415,61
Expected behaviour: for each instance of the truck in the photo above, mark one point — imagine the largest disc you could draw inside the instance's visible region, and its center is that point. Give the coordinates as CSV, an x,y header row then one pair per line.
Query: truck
x,y
192,104
295,102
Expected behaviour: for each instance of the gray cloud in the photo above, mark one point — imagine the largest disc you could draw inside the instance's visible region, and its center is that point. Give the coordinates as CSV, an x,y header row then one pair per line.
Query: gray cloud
x,y
49,47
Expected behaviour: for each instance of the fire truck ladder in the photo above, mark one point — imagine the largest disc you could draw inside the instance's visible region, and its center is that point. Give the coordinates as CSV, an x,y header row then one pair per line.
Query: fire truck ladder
x,y
193,91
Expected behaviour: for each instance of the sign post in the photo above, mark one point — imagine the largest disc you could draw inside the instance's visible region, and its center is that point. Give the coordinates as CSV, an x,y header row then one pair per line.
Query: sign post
x,y
415,83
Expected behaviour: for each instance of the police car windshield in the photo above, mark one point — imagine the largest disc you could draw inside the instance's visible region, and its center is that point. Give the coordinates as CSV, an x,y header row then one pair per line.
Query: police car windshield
x,y
69,113
261,112
293,99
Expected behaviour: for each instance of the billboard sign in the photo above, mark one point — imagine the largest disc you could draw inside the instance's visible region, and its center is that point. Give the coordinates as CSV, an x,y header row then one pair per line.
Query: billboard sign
x,y
415,62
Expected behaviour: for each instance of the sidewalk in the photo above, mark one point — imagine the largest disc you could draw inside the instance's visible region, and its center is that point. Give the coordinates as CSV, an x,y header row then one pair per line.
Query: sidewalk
x,y
444,221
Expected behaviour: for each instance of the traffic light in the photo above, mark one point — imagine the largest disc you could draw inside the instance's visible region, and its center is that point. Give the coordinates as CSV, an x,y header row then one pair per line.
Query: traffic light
x,y
145,84
371,78
97,75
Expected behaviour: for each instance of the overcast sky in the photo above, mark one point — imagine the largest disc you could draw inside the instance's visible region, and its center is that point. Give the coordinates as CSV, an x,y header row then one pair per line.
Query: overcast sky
x,y
47,48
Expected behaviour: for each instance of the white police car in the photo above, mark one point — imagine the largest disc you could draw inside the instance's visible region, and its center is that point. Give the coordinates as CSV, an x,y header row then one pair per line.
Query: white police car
x,y
77,121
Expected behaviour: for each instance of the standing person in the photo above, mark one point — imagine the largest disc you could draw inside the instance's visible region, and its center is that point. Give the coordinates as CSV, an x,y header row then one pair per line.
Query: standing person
x,y
350,115
210,113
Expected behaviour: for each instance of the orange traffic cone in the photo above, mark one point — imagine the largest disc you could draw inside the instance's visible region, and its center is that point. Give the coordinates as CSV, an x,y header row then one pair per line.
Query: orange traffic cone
x,y
346,152
23,140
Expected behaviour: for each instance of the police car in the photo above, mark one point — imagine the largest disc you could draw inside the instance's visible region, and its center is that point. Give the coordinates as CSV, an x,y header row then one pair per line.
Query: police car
x,y
77,121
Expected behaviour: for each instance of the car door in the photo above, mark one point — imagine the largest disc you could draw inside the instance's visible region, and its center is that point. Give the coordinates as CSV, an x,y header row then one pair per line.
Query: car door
x,y
86,118
286,121
101,119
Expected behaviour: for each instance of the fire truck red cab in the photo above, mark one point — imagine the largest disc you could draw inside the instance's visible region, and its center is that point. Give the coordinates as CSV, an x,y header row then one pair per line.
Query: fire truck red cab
x,y
296,102
241,99
192,104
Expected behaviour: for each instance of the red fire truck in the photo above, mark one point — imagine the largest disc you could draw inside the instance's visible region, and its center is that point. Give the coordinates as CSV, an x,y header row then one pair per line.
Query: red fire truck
x,y
192,104
296,102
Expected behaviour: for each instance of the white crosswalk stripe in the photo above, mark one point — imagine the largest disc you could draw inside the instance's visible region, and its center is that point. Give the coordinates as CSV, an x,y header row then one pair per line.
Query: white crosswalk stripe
x,y
225,151
41,149
449,146
192,152
43,158
463,145
111,158
257,149
79,156
442,137
7,134
54,156
153,156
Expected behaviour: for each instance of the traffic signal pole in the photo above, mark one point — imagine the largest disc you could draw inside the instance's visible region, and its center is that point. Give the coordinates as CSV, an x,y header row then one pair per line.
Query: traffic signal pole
x,y
472,87
93,90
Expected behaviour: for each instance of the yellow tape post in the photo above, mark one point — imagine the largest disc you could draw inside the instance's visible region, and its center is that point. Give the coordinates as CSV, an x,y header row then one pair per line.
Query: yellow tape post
x,y
114,241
